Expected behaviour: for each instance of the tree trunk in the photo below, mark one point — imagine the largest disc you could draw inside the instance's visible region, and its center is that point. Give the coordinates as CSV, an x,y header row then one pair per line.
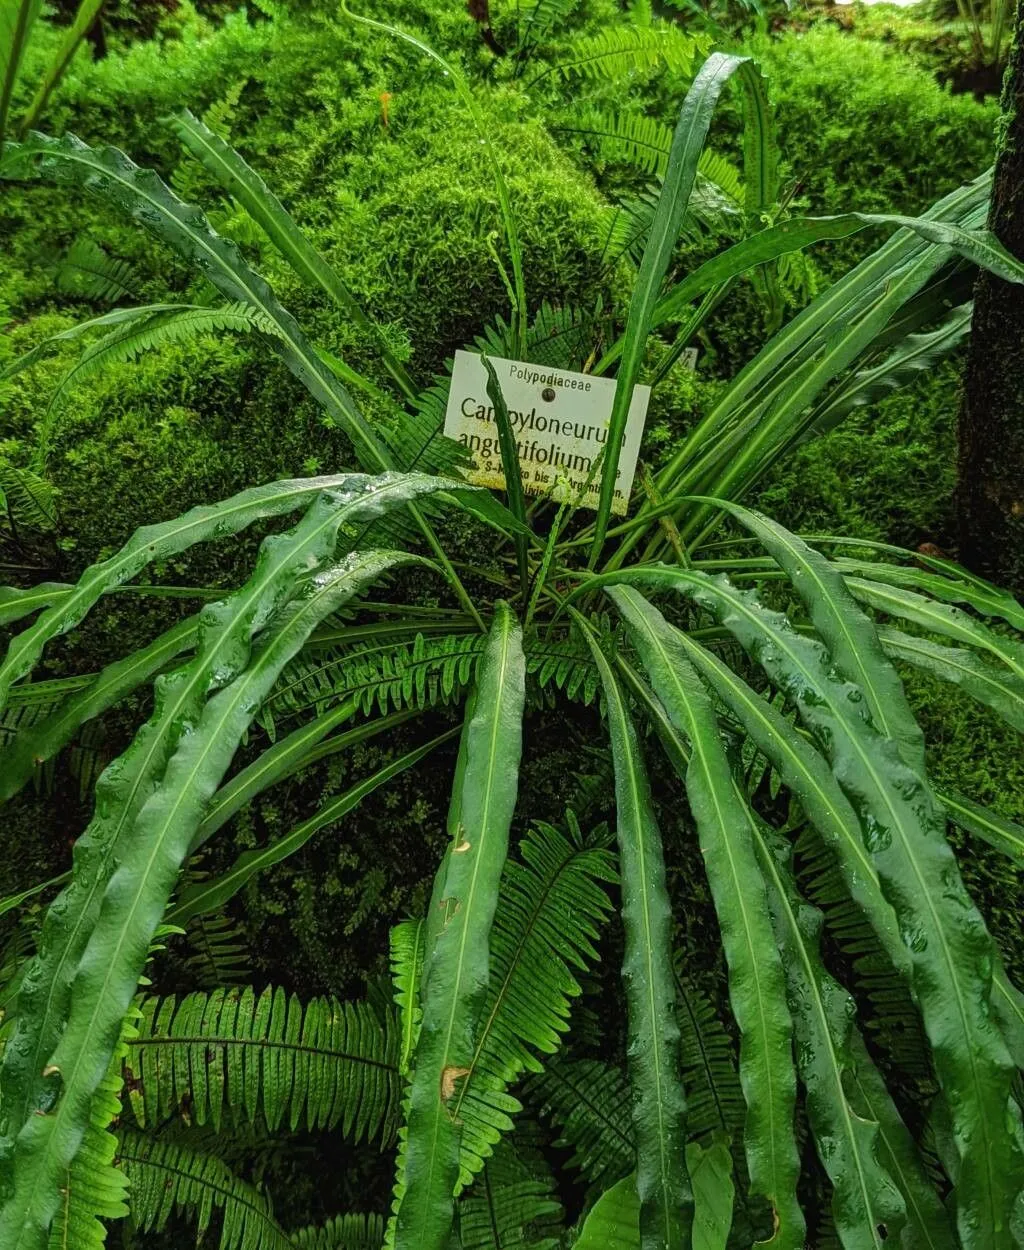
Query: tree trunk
x,y
991,431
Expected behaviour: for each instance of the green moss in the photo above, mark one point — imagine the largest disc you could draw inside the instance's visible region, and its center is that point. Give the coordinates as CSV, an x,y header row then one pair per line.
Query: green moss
x,y
888,472
971,751
864,129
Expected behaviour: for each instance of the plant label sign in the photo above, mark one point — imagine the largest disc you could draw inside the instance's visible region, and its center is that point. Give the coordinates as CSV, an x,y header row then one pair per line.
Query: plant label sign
x,y
560,420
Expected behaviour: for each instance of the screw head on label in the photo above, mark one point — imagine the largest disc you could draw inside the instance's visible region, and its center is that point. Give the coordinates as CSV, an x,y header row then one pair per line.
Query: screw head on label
x,y
548,393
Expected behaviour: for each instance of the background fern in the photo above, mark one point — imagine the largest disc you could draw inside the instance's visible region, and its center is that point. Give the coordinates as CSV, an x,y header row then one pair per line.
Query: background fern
x,y
88,272
166,1176
344,1232
589,1104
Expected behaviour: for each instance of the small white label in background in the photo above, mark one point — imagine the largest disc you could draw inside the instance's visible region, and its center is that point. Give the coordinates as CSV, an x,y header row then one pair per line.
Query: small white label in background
x,y
560,420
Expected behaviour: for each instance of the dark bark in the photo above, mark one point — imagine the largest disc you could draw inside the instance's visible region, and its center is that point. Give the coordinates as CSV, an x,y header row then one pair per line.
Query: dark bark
x,y
991,431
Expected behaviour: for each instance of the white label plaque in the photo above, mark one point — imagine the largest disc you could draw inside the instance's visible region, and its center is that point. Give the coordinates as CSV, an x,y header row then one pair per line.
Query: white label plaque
x,y
560,420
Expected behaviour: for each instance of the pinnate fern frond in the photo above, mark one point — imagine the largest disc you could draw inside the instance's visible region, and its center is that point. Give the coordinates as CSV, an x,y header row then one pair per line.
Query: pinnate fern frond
x,y
96,1187
560,336
219,954
618,51
552,904
407,943
28,499
707,1056
234,1056
87,271
541,17
159,329
423,673
34,702
166,1176
420,674
512,1205
343,1232
589,1103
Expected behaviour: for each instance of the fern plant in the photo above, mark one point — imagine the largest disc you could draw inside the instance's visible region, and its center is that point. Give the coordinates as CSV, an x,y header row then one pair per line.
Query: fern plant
x,y
697,1130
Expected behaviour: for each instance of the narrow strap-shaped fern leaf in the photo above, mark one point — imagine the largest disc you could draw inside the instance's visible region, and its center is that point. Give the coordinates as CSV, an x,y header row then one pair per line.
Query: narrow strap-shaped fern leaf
x,y
551,906
687,144
210,895
249,190
659,1104
807,774
15,603
992,685
202,524
939,618
85,15
458,966
32,748
912,356
124,788
760,413
850,635
757,984
713,1192
297,750
951,951
116,179
613,1223
233,1055
857,653
928,1225
167,1176
997,830
810,780
866,1206
136,894
941,578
